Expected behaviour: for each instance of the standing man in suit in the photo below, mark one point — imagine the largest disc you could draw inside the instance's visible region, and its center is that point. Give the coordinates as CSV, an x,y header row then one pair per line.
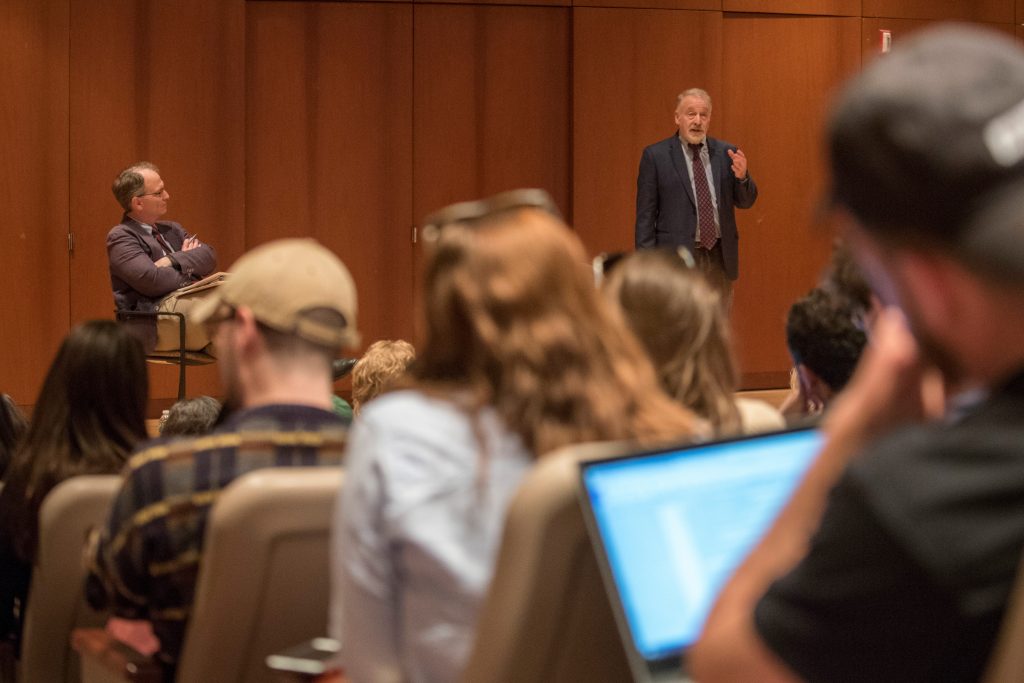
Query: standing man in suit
x,y
150,258
676,207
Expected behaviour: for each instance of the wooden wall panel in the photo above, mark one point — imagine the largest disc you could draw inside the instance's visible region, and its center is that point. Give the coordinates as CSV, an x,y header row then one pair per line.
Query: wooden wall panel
x,y
550,3
843,8
900,29
778,79
491,106
628,67
33,191
710,5
491,103
163,82
329,151
995,11
1020,12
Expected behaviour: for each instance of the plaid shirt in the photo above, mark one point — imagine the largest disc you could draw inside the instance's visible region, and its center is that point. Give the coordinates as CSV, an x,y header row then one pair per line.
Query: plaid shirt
x,y
144,564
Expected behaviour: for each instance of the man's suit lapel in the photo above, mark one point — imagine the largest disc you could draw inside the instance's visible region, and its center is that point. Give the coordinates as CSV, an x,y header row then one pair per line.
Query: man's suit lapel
x,y
675,152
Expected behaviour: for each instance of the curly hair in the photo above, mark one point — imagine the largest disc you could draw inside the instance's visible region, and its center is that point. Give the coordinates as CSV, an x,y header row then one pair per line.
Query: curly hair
x,y
679,318
513,320
382,363
822,334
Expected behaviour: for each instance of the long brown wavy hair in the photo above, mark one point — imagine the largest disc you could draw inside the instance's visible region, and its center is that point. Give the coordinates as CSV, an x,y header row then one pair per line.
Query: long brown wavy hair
x,y
679,318
513,320
90,414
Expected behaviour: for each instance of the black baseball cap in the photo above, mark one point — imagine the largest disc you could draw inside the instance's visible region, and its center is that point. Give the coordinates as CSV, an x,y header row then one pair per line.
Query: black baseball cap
x,y
927,143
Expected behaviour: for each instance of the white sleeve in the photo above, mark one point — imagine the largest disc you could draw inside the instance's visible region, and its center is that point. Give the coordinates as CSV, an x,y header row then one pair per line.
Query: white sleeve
x,y
364,605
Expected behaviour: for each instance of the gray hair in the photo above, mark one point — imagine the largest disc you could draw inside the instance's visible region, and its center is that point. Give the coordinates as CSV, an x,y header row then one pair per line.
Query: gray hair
x,y
694,92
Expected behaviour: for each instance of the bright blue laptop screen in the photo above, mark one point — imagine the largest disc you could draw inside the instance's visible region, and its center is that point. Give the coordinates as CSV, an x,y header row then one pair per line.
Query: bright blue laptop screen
x,y
674,525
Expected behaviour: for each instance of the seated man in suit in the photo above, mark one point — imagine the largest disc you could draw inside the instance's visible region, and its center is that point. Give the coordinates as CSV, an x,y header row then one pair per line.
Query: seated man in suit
x,y
150,258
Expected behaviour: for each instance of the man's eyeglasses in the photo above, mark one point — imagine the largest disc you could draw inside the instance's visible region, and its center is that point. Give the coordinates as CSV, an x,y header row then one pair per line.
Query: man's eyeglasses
x,y
467,212
159,193
605,262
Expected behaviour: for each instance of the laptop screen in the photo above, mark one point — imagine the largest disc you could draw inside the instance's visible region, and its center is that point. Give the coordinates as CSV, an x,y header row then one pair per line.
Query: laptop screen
x,y
672,525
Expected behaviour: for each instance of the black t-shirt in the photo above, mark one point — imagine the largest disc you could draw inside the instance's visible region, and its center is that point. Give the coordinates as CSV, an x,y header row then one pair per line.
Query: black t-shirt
x,y
908,577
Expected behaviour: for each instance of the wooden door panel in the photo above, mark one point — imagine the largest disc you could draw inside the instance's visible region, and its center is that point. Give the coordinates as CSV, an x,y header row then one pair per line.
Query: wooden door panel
x,y
491,103
778,78
329,151
33,191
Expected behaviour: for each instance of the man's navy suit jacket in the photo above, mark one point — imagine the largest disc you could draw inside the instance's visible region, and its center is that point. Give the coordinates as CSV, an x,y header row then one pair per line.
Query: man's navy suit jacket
x,y
666,210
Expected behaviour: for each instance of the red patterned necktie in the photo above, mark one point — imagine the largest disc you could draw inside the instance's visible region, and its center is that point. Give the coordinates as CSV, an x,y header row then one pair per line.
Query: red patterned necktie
x,y
705,209
167,247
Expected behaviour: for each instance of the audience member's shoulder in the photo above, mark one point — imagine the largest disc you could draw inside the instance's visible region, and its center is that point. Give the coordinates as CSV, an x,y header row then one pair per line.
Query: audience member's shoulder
x,y
929,466
410,402
119,231
159,449
759,416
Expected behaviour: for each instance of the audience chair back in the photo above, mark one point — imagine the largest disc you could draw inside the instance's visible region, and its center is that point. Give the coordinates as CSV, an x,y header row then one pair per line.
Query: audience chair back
x,y
263,583
547,616
1007,662
56,602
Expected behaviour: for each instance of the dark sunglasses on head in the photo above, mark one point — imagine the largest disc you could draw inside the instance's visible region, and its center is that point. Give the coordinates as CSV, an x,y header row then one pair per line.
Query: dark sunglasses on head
x,y
467,212
605,262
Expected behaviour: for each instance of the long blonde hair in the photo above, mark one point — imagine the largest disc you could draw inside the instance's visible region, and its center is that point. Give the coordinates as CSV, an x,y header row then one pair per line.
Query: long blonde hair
x,y
513,317
678,316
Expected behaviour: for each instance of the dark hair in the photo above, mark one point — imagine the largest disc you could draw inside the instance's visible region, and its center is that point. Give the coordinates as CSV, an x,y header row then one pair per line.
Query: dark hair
x,y
129,183
88,417
845,279
821,334
12,427
191,417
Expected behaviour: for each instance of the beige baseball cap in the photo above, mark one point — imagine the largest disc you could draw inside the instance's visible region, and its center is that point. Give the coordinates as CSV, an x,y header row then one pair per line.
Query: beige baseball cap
x,y
281,281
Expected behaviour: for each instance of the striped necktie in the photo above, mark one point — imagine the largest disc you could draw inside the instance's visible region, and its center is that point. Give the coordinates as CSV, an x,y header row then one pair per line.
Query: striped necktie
x,y
705,209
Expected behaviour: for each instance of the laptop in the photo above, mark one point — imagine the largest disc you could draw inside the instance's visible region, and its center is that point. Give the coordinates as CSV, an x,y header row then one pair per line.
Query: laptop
x,y
669,526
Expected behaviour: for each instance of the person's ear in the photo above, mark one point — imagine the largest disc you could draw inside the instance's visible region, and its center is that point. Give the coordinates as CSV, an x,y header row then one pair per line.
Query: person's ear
x,y
932,284
816,391
247,335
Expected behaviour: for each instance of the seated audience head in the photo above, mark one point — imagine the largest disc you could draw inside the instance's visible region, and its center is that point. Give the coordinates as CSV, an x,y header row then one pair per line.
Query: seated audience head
x,y
88,417
191,417
281,317
928,164
845,280
12,426
384,362
679,318
512,315
825,344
